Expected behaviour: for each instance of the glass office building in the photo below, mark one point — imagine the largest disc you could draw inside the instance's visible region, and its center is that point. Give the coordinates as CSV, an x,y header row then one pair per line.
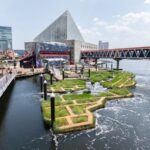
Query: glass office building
x,y
5,38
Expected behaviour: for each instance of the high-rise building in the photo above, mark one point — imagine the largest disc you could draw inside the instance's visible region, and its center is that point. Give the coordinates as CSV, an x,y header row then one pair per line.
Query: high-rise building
x,y
5,38
103,45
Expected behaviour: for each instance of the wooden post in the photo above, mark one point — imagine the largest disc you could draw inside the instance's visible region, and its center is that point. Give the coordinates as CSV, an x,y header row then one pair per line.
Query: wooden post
x,y
106,65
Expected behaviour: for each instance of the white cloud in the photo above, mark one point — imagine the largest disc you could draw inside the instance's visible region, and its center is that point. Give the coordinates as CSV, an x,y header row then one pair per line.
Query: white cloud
x,y
131,29
147,1
131,17
96,19
82,0
90,34
118,28
99,22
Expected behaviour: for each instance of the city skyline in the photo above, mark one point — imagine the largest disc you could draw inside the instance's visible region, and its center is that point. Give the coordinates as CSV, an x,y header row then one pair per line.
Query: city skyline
x,y
123,24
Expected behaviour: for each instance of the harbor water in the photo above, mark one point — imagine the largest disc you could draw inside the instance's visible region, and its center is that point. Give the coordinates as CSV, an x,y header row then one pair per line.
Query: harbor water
x,y
122,125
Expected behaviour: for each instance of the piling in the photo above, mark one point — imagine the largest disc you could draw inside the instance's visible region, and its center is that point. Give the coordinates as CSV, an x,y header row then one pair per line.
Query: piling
x,y
63,74
41,82
89,72
52,101
51,78
76,68
45,90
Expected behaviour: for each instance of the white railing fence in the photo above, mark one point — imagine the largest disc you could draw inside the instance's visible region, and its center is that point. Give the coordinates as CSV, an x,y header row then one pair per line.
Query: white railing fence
x,y
5,81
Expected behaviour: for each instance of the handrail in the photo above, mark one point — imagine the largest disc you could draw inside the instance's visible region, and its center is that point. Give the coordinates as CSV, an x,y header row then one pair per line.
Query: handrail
x,y
5,81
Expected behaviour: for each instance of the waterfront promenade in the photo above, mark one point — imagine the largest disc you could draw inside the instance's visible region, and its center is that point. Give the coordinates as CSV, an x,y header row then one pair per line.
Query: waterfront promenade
x,y
5,81
27,72
7,77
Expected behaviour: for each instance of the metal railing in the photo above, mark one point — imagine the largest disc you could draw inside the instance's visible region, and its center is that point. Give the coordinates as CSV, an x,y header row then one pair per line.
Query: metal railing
x,y
5,81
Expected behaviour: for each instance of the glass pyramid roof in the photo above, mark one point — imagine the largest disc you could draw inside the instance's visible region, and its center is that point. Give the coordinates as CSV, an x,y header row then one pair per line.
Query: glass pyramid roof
x,y
62,29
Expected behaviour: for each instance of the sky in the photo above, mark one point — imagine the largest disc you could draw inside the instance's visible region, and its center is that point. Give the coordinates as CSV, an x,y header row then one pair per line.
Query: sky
x,y
123,23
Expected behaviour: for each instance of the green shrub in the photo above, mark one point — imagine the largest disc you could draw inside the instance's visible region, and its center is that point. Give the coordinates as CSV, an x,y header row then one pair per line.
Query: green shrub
x,y
105,94
78,96
78,109
121,91
80,119
61,122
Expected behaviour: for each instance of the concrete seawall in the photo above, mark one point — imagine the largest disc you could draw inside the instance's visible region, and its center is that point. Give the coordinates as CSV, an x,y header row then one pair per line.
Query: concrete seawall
x,y
5,82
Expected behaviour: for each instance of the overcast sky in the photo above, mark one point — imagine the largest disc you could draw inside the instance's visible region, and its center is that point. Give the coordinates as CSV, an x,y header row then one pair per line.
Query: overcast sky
x,y
124,23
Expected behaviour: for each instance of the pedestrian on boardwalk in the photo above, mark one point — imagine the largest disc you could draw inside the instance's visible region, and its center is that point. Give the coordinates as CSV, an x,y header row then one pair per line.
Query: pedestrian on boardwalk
x,y
10,72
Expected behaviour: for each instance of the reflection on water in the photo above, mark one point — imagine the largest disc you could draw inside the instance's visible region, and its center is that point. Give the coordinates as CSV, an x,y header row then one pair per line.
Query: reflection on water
x,y
21,124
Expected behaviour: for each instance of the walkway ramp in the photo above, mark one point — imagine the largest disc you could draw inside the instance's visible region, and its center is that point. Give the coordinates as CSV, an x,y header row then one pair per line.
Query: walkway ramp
x,y
56,73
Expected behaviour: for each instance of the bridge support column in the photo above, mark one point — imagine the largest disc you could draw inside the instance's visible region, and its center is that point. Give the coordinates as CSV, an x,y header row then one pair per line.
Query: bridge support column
x,y
106,66
117,63
111,66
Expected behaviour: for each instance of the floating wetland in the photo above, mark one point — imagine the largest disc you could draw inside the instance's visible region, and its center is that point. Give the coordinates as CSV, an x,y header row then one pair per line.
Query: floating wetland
x,y
75,111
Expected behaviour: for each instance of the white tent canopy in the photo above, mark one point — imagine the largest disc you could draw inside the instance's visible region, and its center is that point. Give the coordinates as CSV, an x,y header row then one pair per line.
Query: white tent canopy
x,y
55,59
